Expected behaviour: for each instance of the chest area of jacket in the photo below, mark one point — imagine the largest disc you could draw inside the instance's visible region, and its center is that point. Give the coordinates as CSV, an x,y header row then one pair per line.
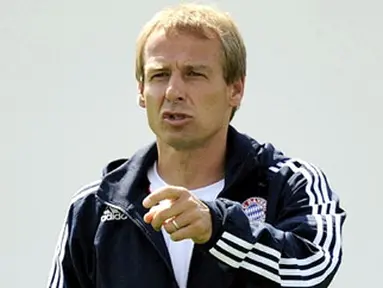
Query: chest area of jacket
x,y
133,255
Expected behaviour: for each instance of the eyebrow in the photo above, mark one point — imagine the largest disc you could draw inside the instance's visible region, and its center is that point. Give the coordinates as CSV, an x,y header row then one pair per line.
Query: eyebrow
x,y
197,67
152,67
155,66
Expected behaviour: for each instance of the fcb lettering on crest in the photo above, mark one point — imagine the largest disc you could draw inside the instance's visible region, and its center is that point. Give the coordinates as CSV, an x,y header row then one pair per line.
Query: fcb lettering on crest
x,y
255,209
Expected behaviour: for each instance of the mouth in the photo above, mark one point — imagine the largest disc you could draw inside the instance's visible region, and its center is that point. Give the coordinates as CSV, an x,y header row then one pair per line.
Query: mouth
x,y
175,116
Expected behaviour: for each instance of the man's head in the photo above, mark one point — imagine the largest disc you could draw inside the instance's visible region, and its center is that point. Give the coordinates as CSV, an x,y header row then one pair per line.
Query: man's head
x,y
190,60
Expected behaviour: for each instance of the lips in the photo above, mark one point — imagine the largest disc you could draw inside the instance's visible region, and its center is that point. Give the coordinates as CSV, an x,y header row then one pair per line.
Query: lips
x,y
175,116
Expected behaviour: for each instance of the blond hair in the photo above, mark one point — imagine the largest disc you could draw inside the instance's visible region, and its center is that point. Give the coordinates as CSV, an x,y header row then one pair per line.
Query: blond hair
x,y
202,21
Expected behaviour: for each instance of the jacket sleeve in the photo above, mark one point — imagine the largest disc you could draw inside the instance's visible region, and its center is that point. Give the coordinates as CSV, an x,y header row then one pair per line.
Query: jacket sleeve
x,y
72,261
303,245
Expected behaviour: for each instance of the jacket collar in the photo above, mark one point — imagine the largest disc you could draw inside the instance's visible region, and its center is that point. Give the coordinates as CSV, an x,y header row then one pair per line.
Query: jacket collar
x,y
124,186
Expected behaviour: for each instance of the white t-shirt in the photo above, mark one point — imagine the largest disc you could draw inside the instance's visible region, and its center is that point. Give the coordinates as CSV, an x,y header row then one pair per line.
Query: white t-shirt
x,y
181,251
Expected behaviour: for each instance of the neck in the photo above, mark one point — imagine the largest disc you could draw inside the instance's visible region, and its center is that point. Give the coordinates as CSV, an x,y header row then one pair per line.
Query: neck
x,y
193,168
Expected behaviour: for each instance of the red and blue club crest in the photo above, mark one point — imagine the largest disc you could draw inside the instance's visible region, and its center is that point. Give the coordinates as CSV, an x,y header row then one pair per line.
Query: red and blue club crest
x,y
255,209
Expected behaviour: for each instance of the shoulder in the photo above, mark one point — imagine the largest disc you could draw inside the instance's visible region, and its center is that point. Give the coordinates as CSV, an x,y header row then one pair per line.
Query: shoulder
x,y
85,191
277,165
296,177
83,203
85,195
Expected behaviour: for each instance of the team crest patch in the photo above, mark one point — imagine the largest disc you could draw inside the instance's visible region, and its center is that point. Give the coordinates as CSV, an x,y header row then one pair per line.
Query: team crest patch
x,y
255,209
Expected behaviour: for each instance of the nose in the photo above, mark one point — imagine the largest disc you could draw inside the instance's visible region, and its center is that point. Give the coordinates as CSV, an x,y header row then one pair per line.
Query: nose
x,y
175,91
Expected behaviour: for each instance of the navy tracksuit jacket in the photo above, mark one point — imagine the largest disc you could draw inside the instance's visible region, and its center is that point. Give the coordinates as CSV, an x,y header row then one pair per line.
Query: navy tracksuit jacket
x,y
277,223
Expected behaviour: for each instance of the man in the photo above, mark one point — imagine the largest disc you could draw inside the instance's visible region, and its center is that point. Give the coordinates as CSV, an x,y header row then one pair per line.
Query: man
x,y
205,205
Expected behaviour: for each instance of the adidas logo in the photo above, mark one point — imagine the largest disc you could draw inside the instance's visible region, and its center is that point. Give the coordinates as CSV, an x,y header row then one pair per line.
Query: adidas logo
x,y
111,214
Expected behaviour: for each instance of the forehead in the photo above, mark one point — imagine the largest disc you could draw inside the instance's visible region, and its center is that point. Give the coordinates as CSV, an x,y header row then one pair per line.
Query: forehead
x,y
182,49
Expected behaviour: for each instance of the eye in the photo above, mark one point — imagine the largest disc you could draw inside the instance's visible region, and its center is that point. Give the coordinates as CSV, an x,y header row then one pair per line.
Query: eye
x,y
194,74
159,75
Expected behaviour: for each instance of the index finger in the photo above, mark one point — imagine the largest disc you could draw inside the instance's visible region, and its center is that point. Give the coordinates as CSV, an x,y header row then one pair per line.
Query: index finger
x,y
164,193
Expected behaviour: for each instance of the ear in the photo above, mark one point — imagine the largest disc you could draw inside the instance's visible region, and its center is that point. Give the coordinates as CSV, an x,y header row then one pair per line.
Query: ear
x,y
141,98
236,93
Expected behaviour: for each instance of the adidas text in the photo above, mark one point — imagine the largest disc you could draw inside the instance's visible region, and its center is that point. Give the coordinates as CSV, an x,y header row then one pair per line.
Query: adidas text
x,y
111,214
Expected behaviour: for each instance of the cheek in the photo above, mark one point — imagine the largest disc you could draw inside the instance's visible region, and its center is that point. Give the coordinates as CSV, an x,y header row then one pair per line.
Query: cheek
x,y
154,96
216,102
152,109
152,106
216,108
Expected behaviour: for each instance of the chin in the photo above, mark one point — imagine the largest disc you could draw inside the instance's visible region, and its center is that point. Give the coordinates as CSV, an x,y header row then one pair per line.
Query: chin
x,y
181,144
184,139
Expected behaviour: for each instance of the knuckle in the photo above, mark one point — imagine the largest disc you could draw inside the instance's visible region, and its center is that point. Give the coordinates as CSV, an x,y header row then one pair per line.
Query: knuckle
x,y
183,191
157,220
190,203
167,228
174,237
163,214
155,223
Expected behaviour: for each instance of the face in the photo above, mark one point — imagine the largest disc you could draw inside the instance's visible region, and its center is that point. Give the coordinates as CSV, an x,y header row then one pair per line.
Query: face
x,y
184,92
